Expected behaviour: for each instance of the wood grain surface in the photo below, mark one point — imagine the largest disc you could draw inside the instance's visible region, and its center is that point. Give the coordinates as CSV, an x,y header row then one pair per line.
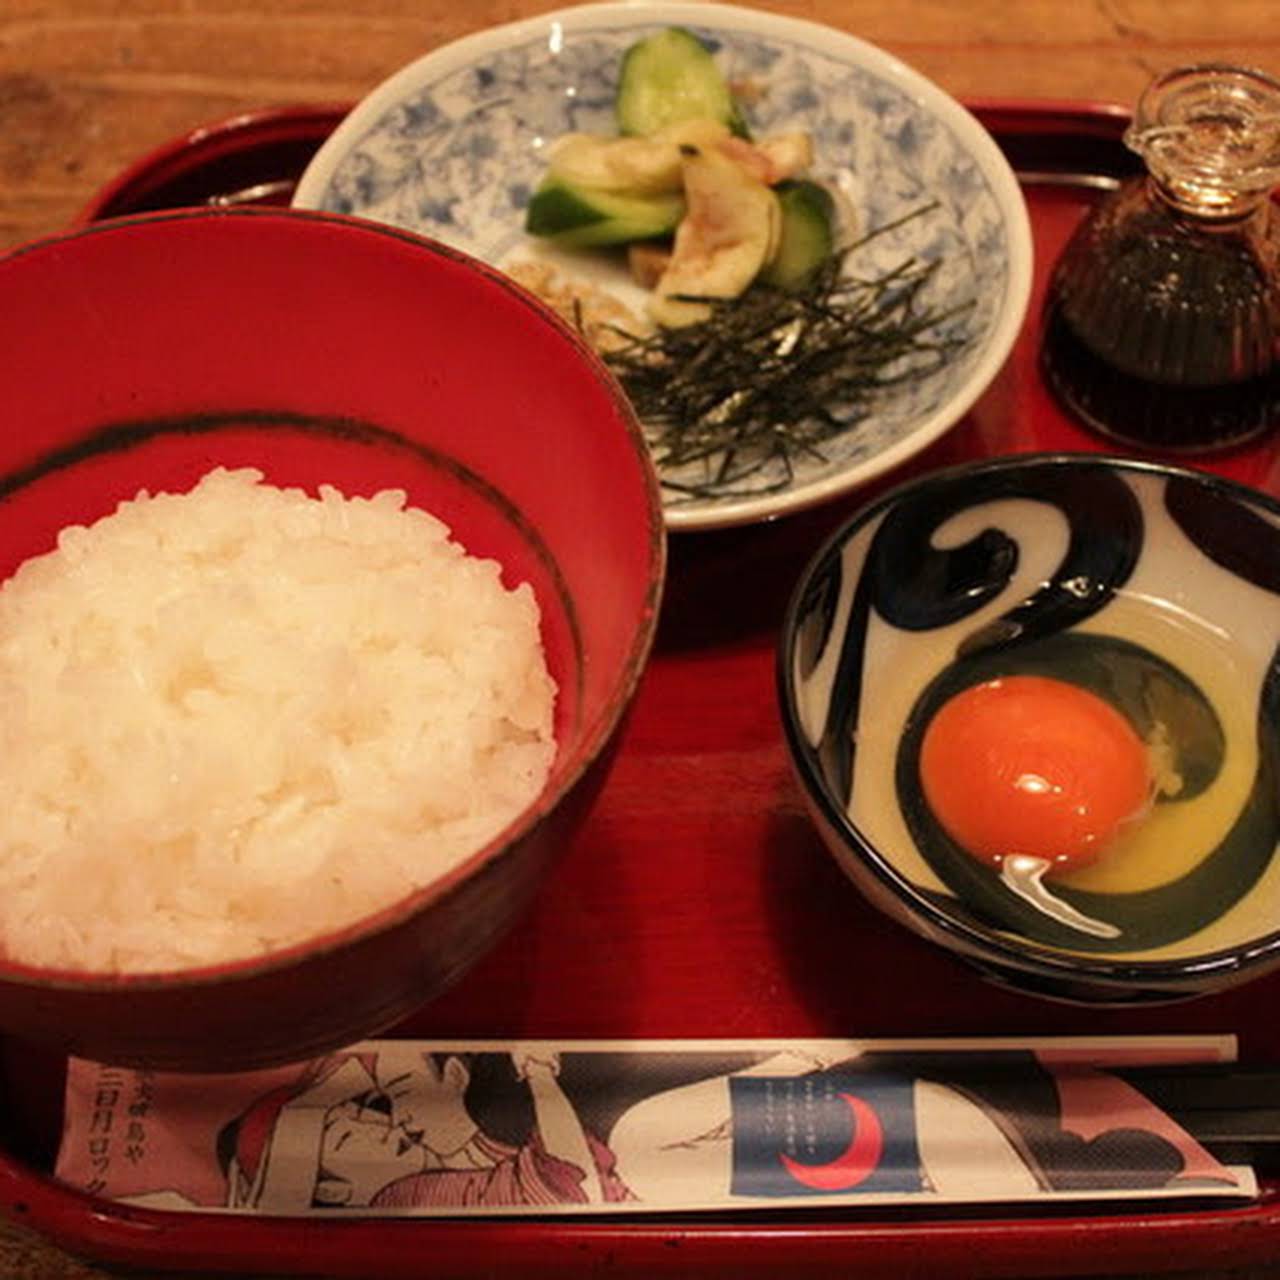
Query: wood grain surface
x,y
88,86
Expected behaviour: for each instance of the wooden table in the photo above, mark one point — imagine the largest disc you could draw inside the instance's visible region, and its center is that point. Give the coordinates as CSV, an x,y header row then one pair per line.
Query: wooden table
x,y
87,86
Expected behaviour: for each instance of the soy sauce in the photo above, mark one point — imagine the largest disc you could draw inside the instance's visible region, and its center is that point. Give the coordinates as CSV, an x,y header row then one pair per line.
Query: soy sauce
x,y
1162,323
1162,416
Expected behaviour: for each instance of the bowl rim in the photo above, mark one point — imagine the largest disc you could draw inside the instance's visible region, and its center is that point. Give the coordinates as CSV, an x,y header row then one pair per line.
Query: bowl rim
x,y
983,943
242,133
969,134
595,735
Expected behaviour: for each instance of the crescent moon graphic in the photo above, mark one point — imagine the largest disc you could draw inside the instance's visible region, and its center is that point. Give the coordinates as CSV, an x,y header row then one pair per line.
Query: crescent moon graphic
x,y
855,1163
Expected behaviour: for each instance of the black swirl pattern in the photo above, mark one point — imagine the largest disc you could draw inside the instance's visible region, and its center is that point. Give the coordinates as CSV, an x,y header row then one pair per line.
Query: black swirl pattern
x,y
1145,689
919,586
1232,535
916,586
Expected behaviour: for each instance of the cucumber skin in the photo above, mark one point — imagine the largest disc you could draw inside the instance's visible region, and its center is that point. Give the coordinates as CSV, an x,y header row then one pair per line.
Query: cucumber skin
x,y
669,77
580,218
808,234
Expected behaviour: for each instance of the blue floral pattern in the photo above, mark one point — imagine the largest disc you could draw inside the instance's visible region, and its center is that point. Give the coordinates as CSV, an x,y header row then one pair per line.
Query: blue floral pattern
x,y
457,153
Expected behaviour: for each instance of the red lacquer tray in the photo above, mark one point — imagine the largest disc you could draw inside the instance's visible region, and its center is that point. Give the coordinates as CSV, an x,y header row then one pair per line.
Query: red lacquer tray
x,y
699,901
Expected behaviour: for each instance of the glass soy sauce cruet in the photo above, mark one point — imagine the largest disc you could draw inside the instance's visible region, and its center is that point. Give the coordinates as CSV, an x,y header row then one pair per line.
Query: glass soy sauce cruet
x,y
1162,324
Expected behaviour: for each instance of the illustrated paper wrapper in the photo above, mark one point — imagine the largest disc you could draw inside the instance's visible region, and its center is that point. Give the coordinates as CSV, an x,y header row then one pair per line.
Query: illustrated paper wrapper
x,y
413,1128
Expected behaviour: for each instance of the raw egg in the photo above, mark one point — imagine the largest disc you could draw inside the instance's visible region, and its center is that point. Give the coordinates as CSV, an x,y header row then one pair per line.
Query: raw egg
x,y
1034,767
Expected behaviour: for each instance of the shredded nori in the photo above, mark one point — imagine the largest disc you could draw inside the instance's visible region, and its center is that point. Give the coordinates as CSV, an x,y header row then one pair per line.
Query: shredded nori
x,y
774,373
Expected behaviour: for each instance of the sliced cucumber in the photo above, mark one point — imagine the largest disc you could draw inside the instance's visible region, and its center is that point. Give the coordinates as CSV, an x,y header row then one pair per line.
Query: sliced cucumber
x,y
631,166
669,77
580,217
626,166
808,234
733,224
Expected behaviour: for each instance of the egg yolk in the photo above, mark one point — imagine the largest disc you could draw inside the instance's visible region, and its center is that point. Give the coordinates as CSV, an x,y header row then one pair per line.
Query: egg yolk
x,y
1035,766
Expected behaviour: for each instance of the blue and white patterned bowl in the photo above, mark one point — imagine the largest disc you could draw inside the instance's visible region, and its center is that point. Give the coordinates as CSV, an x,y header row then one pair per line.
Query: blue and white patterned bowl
x,y
1155,587
451,147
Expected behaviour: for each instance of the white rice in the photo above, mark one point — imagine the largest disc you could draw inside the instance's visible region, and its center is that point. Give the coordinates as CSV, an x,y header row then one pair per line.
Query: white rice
x,y
235,718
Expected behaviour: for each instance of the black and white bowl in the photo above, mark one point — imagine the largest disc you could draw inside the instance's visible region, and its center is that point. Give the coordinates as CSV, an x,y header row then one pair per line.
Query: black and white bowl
x,y
1154,587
